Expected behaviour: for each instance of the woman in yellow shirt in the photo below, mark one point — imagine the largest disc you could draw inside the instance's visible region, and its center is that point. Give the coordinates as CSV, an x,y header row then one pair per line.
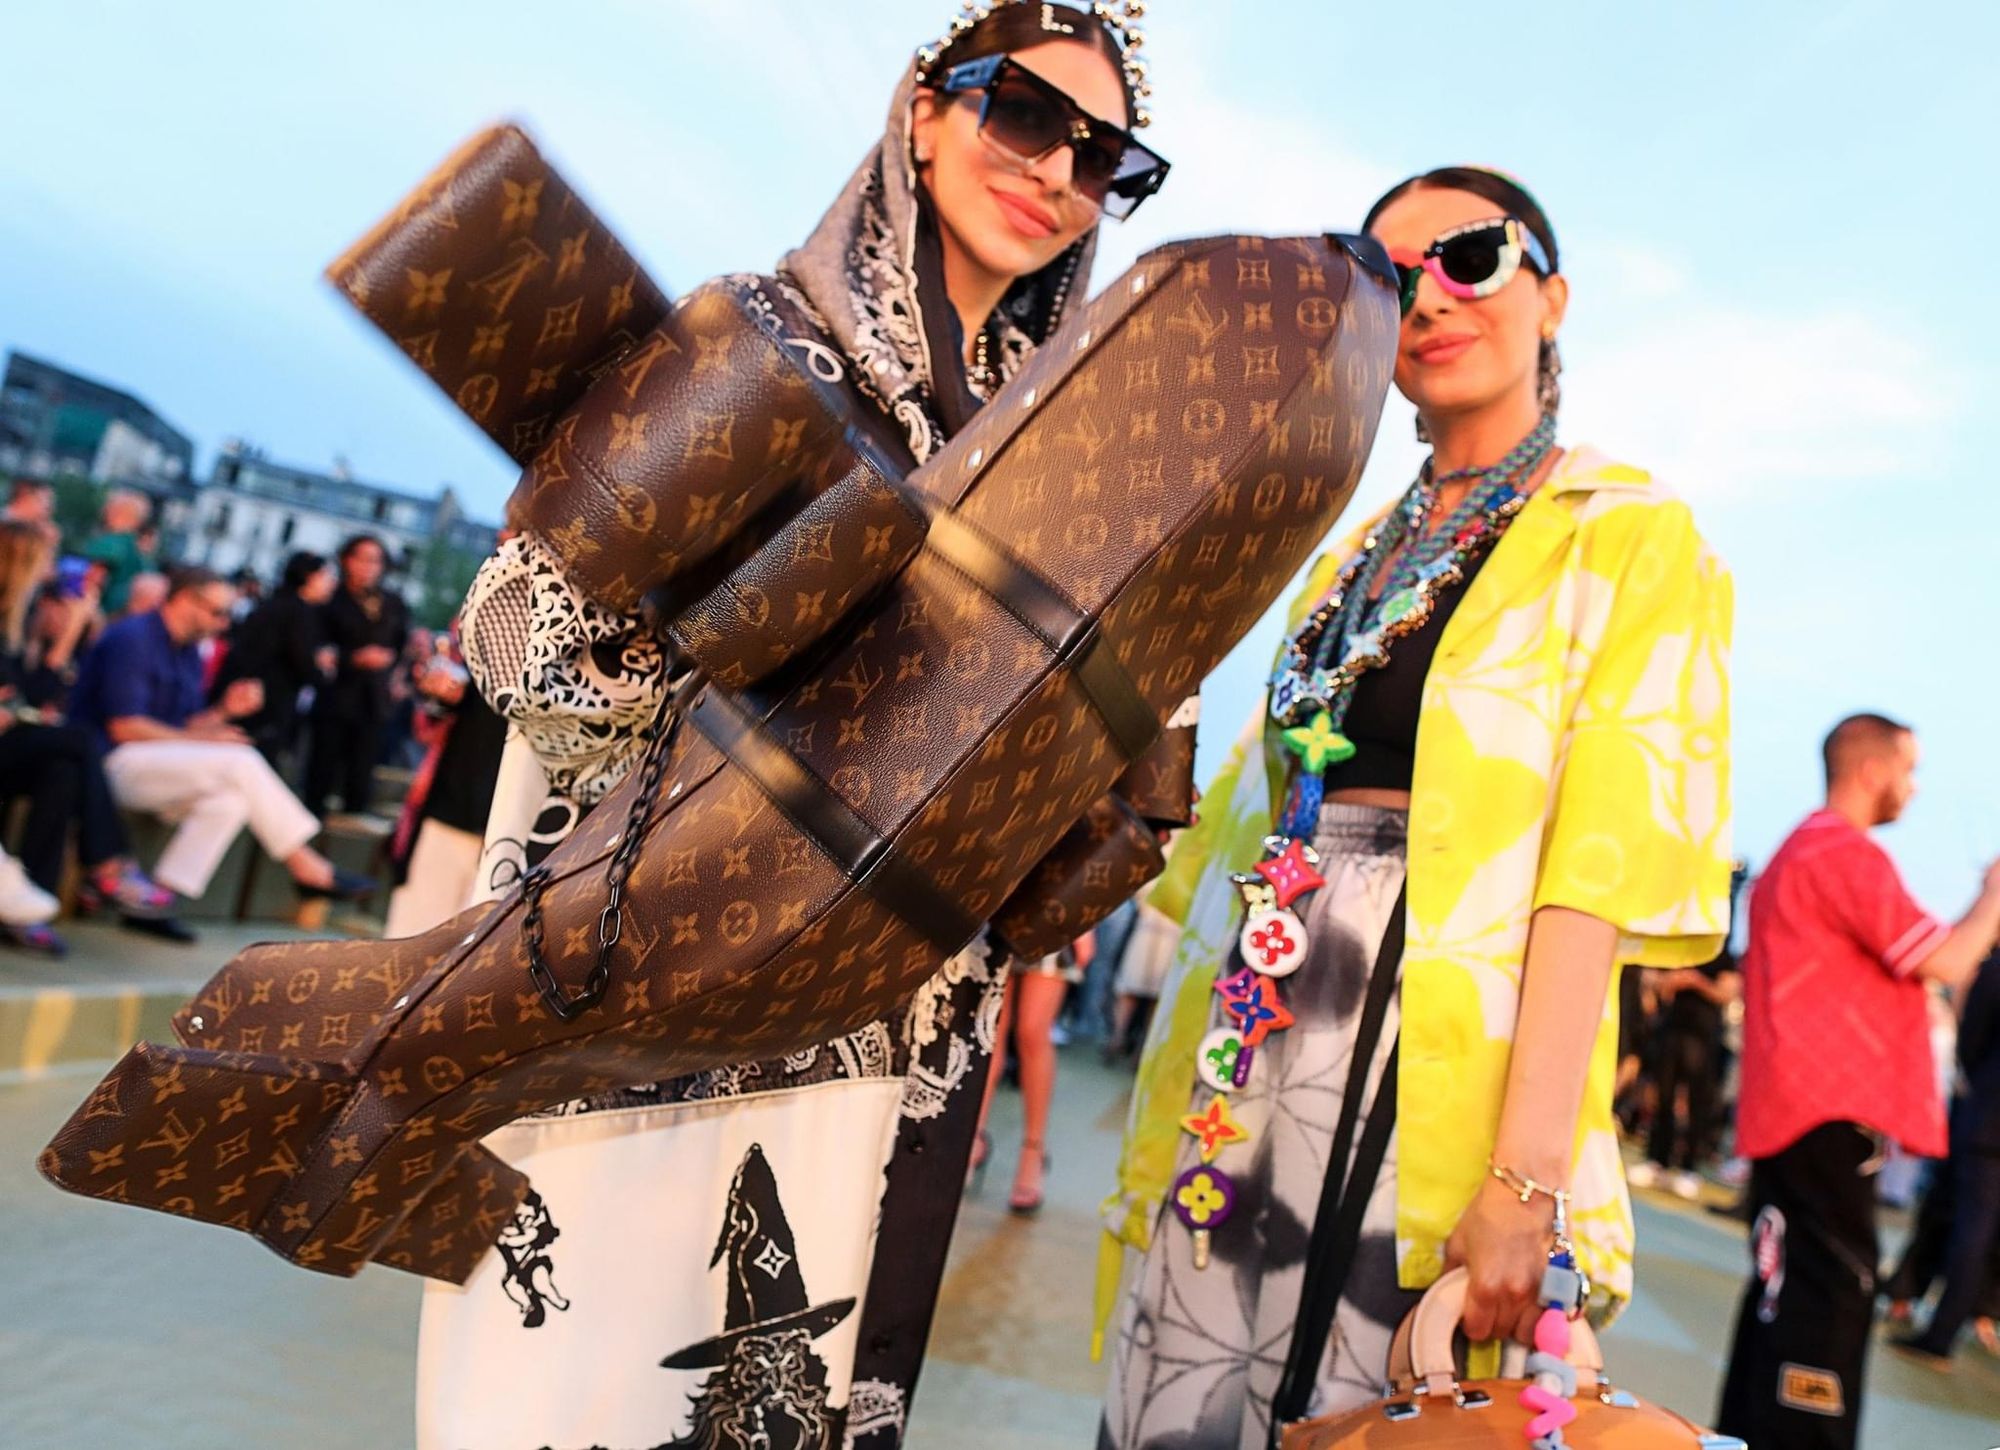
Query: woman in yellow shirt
x,y
1493,763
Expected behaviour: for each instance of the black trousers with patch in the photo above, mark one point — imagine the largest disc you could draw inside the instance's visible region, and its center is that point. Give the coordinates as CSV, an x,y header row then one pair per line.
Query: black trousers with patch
x,y
1795,1371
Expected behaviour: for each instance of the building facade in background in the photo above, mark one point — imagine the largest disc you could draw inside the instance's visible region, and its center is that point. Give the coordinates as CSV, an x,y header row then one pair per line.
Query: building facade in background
x,y
55,422
253,513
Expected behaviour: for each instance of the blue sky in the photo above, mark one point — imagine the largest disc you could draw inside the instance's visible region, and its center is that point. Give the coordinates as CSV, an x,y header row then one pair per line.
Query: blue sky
x,y
1777,220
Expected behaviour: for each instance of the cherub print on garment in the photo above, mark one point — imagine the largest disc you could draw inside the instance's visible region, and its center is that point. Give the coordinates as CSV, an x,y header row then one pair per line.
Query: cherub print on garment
x,y
530,1278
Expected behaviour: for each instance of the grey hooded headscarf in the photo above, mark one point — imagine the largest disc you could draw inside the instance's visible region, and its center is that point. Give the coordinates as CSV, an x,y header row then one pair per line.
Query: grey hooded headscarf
x,y
872,274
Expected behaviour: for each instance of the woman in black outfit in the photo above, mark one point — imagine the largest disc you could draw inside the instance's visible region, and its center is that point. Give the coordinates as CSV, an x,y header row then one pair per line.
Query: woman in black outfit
x,y
367,625
278,644
59,767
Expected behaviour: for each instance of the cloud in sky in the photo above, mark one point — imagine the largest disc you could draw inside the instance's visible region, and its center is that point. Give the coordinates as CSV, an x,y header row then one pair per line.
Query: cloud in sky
x,y
1732,398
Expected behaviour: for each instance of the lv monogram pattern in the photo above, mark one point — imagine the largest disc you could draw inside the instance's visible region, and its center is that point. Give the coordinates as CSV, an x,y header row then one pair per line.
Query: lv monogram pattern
x,y
1166,463
1101,860
685,444
502,287
835,551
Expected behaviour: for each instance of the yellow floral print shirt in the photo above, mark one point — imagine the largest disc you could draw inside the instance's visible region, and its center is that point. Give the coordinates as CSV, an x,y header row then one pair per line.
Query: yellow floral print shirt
x,y
1573,750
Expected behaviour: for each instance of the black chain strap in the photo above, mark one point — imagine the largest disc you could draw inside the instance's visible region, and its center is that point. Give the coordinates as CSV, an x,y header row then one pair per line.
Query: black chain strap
x,y
658,736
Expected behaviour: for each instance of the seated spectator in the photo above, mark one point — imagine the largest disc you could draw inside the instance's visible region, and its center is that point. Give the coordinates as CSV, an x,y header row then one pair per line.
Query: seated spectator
x,y
22,903
140,688
116,545
278,645
60,769
62,622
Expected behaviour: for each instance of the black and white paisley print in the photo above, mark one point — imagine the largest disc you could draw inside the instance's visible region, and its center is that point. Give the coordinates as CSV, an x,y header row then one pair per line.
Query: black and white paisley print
x,y
579,680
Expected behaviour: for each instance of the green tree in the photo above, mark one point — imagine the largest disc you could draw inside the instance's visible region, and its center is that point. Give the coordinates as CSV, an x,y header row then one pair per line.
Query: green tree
x,y
442,574
78,503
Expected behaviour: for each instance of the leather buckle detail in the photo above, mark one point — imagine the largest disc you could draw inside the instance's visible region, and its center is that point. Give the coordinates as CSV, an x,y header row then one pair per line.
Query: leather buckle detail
x,y
869,860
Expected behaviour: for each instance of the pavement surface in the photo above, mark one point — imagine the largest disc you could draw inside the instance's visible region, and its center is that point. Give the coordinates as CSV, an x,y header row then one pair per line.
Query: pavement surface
x,y
127,1328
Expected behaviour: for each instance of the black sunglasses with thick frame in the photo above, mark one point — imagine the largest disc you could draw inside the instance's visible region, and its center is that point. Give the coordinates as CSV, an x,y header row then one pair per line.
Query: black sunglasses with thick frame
x,y
1028,117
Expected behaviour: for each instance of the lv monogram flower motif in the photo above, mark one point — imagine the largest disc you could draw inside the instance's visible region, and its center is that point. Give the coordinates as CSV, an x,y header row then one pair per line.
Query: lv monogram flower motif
x,y
1221,1058
1272,942
1291,873
1260,1013
1214,1128
1318,744
1201,1200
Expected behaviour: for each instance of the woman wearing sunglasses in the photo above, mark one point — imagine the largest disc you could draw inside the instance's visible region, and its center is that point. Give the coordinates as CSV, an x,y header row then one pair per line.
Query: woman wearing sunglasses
x,y
957,247
1493,767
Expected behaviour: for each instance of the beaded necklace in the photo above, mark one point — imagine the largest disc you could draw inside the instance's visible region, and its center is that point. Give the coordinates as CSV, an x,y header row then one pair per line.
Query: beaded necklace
x,y
1387,591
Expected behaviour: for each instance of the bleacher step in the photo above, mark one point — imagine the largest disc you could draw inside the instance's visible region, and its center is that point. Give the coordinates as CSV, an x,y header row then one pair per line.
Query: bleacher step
x,y
114,988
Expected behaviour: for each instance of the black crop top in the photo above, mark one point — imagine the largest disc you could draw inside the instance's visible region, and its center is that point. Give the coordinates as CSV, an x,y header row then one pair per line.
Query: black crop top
x,y
1382,718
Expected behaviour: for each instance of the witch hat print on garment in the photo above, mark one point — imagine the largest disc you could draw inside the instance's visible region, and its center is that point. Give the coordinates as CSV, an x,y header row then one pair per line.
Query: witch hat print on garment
x,y
766,1288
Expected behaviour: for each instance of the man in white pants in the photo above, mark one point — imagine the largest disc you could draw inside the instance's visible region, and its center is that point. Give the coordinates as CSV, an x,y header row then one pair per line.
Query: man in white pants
x,y
168,755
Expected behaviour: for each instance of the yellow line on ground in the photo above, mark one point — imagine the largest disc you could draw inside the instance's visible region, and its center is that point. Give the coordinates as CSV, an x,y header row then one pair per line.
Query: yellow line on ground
x,y
48,1022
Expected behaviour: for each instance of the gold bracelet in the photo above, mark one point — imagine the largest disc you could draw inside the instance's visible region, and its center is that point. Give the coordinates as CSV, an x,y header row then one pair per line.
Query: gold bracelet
x,y
1524,1188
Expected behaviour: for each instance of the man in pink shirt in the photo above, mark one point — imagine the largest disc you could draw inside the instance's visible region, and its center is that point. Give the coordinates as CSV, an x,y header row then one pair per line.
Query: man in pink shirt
x,y
1836,1062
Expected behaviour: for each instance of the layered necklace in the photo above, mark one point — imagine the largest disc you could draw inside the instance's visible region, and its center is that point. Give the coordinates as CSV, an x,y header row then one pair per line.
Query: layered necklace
x,y
1389,590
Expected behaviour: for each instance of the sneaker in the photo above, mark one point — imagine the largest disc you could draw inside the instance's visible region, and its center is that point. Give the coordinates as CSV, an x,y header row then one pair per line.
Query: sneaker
x,y
39,937
22,903
1917,1349
128,891
1643,1174
1685,1184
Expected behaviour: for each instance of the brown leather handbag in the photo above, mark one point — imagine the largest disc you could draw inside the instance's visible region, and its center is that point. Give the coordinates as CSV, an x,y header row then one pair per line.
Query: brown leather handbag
x,y
1428,1404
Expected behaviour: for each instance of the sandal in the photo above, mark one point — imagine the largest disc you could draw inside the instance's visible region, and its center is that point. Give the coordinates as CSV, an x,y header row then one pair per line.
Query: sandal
x,y
982,1154
1029,1203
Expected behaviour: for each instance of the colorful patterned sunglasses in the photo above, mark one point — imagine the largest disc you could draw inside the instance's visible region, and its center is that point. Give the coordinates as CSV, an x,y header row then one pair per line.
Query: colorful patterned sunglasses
x,y
1473,261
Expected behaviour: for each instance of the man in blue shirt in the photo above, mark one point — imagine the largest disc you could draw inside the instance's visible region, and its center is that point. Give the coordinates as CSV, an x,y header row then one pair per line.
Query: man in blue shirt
x,y
169,755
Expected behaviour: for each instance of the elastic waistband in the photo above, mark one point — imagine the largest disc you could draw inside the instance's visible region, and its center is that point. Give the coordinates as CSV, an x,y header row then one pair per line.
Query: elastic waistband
x,y
1354,830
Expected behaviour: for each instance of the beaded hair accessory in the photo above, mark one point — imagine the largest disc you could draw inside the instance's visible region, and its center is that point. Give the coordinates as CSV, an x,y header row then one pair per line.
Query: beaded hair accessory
x,y
1121,19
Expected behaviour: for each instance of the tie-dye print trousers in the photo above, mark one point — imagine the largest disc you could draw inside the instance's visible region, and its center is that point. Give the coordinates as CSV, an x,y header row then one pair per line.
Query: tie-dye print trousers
x,y
1199,1353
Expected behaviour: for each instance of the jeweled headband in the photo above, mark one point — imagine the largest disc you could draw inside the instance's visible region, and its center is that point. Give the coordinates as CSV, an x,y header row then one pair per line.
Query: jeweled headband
x,y
1121,19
